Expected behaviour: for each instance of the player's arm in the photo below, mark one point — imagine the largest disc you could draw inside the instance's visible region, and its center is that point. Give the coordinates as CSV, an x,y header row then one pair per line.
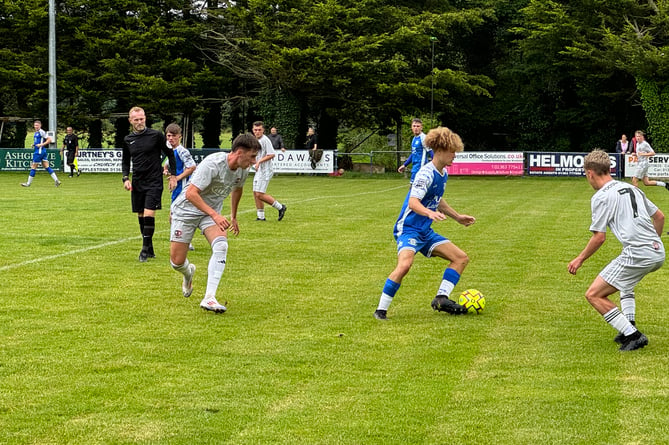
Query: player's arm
x,y
46,141
417,207
263,159
125,167
194,195
169,153
658,221
465,220
235,197
186,173
595,242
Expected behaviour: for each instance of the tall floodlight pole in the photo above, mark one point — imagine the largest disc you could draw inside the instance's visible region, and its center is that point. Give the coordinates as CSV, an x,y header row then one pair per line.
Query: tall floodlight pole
x,y
433,40
52,69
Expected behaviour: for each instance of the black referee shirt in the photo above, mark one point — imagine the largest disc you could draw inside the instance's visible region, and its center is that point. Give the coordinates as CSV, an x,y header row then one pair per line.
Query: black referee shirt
x,y
145,149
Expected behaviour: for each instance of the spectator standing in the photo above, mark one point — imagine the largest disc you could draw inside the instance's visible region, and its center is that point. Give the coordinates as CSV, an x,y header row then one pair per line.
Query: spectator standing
x,y
264,172
315,154
276,139
40,155
145,147
71,145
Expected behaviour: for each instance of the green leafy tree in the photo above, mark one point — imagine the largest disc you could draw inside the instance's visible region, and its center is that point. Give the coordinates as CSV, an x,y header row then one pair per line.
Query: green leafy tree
x,y
362,63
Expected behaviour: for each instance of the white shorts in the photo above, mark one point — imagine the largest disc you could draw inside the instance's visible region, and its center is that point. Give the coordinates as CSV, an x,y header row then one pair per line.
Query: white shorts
x,y
260,184
183,230
626,270
640,172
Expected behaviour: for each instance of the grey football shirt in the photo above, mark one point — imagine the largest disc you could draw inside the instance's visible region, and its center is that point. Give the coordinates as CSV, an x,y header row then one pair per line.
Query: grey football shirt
x,y
627,212
216,181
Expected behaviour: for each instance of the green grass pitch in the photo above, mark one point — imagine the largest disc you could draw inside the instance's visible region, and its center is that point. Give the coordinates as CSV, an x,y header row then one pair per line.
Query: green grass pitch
x,y
96,348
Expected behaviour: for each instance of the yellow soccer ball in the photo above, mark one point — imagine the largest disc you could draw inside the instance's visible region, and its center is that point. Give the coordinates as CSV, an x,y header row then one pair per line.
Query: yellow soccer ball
x,y
473,300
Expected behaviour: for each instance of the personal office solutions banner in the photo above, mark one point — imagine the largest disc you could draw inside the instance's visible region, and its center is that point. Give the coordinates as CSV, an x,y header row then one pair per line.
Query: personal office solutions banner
x,y
487,163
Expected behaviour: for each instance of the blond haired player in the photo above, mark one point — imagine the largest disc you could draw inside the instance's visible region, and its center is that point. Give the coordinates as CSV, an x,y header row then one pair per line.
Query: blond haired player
x,y
637,223
413,232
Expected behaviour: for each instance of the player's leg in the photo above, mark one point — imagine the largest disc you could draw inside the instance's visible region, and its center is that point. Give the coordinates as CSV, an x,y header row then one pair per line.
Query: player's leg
x,y
152,202
458,260
257,191
180,263
598,296
649,182
52,173
405,259
219,252
31,175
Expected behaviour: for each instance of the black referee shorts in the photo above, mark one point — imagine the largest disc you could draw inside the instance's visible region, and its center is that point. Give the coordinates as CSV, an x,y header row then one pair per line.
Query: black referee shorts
x,y
148,199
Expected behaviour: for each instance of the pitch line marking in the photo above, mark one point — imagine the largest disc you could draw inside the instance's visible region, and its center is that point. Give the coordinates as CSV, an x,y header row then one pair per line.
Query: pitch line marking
x,y
123,240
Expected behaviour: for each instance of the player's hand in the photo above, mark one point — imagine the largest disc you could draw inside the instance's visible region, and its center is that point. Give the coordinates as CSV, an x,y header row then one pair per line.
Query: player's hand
x,y
222,222
401,168
127,185
466,220
574,265
234,226
173,182
436,216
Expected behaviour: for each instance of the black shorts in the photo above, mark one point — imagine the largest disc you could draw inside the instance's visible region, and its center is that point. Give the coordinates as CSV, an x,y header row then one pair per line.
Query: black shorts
x,y
70,158
148,199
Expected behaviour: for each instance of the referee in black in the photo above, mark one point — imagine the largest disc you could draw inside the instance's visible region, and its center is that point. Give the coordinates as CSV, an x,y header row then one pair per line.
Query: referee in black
x,y
144,147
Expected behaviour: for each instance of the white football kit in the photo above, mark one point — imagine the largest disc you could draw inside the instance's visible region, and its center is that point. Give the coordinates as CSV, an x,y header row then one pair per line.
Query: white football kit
x,y
266,169
216,181
643,163
627,212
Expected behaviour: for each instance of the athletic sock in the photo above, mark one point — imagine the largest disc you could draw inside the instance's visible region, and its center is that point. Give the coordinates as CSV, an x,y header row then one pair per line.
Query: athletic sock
x,y
277,205
621,324
147,233
261,213
182,269
140,219
661,184
389,291
628,306
448,282
219,253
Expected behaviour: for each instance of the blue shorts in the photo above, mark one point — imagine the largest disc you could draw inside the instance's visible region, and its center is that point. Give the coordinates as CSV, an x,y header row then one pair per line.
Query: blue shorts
x,y
424,242
38,157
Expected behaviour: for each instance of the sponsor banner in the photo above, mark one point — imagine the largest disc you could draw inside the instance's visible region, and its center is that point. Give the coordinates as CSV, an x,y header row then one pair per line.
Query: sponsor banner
x,y
19,159
100,160
488,163
658,166
290,161
297,161
562,164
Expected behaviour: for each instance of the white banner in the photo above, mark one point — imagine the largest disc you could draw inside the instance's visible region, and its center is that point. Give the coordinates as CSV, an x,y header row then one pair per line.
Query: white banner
x,y
658,166
100,160
297,161
290,161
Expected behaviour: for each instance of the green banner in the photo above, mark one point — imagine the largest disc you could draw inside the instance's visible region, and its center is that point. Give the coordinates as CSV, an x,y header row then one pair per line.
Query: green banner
x,y
19,159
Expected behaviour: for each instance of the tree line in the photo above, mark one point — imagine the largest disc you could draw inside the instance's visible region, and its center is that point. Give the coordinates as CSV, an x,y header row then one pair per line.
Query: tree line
x,y
505,74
